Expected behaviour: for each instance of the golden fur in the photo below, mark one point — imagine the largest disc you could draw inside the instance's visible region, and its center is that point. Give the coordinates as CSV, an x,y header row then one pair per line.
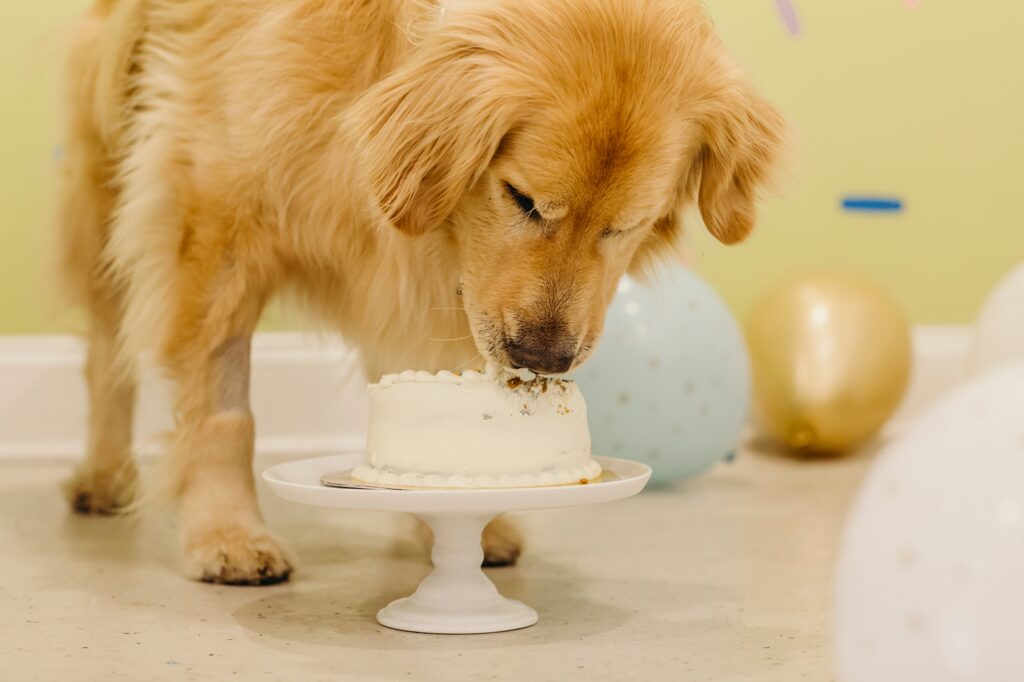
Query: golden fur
x,y
360,154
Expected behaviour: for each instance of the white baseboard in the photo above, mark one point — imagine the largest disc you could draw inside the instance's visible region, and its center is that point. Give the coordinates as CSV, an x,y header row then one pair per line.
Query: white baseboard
x,y
940,361
308,393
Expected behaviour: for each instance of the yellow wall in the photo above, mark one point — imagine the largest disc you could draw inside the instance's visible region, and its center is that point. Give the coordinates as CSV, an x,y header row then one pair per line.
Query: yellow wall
x,y
924,104
31,36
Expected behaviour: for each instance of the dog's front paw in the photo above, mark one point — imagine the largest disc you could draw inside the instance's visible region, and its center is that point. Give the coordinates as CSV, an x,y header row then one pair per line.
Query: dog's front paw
x,y
92,491
236,555
502,543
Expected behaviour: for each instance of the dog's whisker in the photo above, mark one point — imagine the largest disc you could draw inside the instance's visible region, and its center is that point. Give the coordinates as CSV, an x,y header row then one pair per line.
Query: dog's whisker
x,y
472,358
457,338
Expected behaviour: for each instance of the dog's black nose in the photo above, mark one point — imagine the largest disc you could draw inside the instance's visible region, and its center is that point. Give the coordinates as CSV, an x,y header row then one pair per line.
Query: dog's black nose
x,y
538,358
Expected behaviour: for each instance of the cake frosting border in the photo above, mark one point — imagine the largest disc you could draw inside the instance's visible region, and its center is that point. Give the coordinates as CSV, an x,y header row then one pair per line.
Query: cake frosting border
x,y
469,376
415,479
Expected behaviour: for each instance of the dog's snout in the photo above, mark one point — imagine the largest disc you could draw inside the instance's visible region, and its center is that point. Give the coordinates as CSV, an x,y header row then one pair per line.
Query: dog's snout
x,y
543,348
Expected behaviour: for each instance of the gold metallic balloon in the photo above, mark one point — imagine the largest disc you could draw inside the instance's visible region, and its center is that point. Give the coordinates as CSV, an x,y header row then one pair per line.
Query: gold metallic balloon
x,y
831,360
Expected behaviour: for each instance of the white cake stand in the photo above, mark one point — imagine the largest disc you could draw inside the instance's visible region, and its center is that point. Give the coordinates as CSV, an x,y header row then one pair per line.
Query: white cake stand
x,y
456,598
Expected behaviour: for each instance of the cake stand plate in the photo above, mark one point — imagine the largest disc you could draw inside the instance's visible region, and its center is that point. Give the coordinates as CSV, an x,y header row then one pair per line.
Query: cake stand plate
x,y
456,598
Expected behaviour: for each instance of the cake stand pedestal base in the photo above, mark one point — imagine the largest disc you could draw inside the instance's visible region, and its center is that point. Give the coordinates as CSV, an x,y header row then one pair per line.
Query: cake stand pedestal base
x,y
456,598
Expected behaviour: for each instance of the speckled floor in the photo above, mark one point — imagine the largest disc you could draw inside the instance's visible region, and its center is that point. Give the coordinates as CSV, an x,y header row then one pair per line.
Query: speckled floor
x,y
723,578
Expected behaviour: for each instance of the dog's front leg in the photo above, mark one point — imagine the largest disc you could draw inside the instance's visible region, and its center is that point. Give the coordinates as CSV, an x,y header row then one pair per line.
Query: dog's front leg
x,y
225,539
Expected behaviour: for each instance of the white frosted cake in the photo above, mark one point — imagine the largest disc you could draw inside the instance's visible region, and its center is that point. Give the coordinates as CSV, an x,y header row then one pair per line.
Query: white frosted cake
x,y
476,430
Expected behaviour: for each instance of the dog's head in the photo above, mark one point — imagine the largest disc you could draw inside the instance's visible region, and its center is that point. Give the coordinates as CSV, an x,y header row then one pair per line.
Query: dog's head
x,y
558,143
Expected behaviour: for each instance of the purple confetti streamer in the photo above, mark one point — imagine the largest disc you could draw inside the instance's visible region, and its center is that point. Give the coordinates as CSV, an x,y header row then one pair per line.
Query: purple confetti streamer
x,y
789,17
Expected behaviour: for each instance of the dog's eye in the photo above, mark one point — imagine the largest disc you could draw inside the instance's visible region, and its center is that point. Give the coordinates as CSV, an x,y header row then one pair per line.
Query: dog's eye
x,y
524,202
609,232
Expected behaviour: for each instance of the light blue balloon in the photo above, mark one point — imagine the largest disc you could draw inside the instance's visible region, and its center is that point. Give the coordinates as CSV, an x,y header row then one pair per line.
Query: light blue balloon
x,y
669,384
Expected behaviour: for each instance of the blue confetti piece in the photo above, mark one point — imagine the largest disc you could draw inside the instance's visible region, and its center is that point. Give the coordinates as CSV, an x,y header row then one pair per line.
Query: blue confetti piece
x,y
872,204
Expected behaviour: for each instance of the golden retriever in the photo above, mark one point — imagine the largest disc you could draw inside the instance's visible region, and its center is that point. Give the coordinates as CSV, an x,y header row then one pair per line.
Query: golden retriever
x,y
443,182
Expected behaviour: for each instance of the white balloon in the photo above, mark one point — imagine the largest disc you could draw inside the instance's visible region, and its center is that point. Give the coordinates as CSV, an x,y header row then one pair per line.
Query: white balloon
x,y
930,580
999,330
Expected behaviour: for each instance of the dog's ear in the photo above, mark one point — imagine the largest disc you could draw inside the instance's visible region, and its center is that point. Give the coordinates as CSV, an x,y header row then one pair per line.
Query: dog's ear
x,y
428,130
742,142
